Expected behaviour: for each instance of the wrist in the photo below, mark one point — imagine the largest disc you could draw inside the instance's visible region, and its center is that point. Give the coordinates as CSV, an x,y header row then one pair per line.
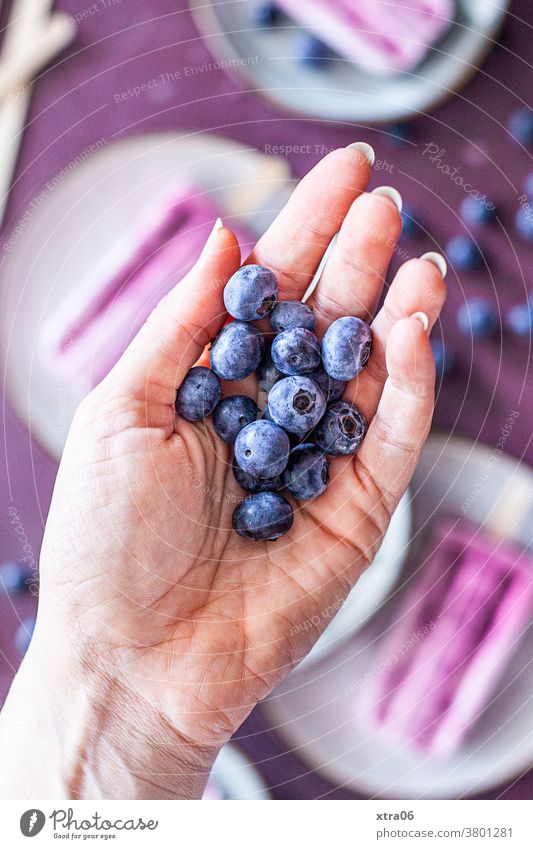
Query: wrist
x,y
67,731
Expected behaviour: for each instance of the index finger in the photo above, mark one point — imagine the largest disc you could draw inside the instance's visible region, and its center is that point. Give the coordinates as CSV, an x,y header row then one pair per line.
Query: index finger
x,y
294,243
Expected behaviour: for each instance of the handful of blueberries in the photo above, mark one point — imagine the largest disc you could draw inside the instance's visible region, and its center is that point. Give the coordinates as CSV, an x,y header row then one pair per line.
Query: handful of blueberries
x,y
305,419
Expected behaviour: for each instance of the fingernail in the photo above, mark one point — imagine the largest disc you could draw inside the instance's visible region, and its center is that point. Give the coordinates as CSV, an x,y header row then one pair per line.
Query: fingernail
x,y
213,234
365,149
393,194
438,260
423,319
217,226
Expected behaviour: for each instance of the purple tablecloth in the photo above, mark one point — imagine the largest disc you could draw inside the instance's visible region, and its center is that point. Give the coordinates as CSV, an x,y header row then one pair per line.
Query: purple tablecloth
x,y
122,43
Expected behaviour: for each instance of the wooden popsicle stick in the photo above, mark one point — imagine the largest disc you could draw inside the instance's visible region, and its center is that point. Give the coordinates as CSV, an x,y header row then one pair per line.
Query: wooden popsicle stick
x,y
16,73
27,17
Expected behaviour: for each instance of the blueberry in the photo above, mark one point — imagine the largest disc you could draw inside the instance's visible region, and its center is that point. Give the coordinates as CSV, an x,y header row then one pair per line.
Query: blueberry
x,y
444,357
398,134
24,634
296,403
310,51
332,389
237,350
342,429
257,484
198,395
524,222
411,228
251,293
528,185
262,449
232,414
477,212
267,373
477,318
307,473
266,15
463,253
520,125
346,347
12,578
287,315
296,351
520,319
263,516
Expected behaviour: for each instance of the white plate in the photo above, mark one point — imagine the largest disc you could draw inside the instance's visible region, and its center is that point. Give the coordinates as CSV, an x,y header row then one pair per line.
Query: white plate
x,y
236,777
315,710
263,57
82,218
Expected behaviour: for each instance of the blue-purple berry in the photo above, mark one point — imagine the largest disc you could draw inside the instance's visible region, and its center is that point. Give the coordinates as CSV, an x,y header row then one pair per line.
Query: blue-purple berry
x,y
519,318
287,315
12,578
251,293
307,472
263,516
237,350
477,212
296,351
310,51
524,222
520,126
267,373
411,227
262,449
331,388
232,414
251,483
266,14
24,634
444,357
342,429
398,134
477,319
463,253
346,347
296,404
198,395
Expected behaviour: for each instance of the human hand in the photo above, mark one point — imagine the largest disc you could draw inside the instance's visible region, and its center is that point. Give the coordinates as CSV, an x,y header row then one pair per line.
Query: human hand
x,y
147,595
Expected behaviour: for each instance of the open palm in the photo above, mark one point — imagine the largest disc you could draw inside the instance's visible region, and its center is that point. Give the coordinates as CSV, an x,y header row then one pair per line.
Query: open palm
x,y
139,561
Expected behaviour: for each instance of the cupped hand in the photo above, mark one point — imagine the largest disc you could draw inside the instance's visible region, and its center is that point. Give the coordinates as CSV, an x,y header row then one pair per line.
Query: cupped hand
x,y
142,574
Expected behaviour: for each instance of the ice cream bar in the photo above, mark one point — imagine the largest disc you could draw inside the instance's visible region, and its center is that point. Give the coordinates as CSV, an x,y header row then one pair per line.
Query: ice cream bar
x,y
383,36
453,637
88,332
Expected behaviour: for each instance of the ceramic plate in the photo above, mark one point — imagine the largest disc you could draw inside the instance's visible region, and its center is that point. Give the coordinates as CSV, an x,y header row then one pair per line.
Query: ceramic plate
x,y
234,777
264,58
82,218
315,710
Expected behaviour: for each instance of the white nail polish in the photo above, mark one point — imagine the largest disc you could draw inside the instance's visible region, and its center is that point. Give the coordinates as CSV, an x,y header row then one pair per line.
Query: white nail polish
x,y
217,226
365,149
423,319
391,193
438,260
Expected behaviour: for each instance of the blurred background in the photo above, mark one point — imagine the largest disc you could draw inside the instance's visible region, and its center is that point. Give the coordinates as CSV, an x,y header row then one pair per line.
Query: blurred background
x,y
125,130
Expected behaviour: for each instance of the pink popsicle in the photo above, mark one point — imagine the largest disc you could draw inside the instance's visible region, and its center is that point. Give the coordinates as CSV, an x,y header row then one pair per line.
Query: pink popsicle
x,y
383,36
89,331
478,596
